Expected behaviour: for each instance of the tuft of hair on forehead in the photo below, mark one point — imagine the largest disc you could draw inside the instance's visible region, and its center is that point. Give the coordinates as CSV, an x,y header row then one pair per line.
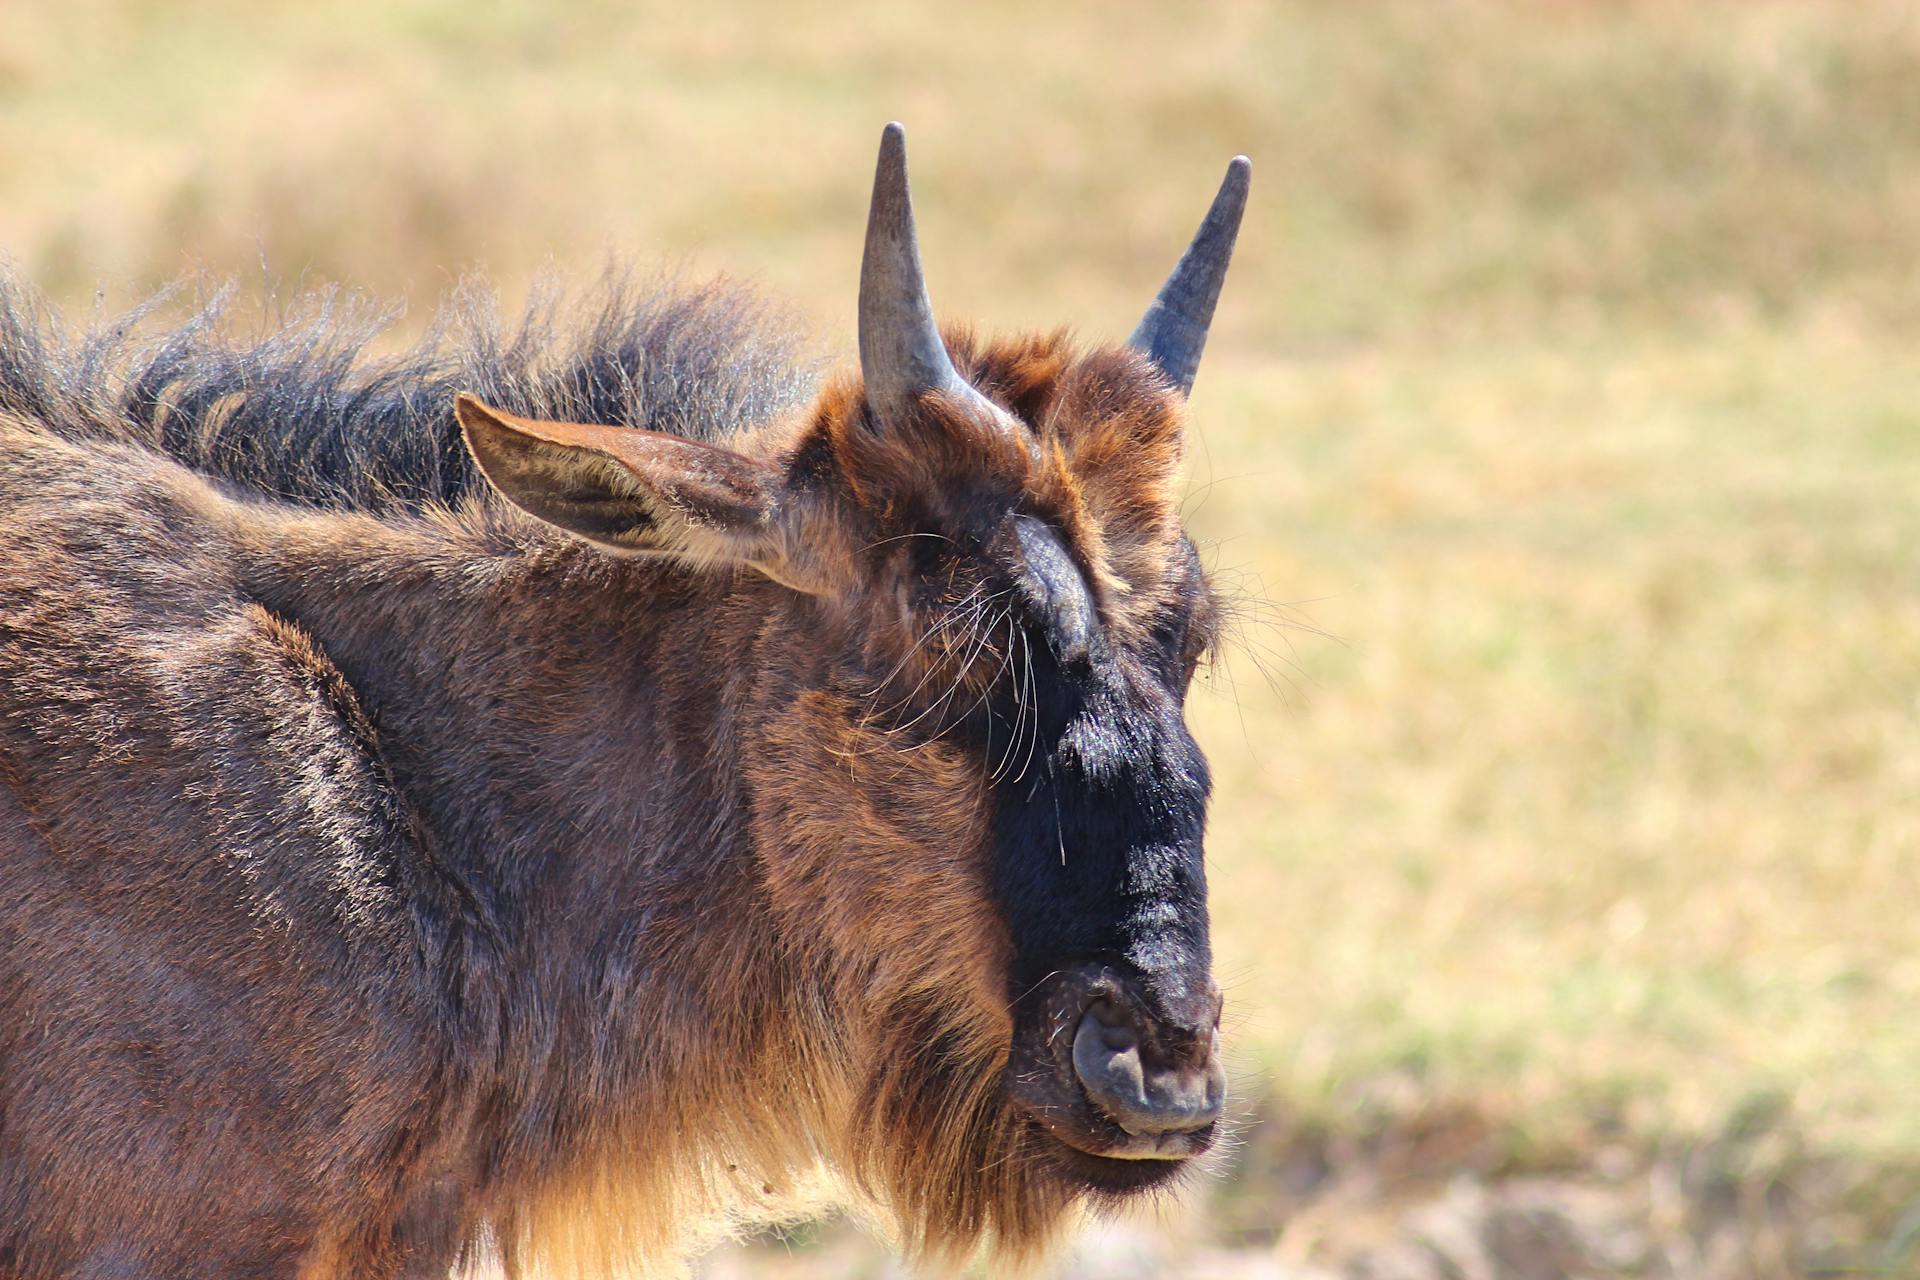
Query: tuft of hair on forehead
x,y
1114,430
1096,451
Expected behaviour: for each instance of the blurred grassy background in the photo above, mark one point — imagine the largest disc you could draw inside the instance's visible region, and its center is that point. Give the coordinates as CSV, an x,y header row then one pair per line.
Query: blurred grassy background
x,y
1561,429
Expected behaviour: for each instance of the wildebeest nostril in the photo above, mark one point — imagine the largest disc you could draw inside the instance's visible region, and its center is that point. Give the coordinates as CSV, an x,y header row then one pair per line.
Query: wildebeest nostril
x,y
1142,1095
1115,1032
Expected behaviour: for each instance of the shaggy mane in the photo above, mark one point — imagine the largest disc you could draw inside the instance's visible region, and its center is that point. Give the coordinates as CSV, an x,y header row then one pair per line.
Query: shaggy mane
x,y
319,409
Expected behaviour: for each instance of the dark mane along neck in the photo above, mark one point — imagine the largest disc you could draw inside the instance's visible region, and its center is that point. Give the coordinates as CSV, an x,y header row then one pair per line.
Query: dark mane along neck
x,y
315,410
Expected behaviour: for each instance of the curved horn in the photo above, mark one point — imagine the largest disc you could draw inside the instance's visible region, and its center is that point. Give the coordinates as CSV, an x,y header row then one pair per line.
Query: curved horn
x,y
901,354
1174,330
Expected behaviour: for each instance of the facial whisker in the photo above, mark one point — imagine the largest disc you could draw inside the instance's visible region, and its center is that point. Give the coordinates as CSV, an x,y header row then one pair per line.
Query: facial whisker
x,y
939,624
1059,829
970,603
986,691
1033,696
902,537
1020,708
953,688
923,715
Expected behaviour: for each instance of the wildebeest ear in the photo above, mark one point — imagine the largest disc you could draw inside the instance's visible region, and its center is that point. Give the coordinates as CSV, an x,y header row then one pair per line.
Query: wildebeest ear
x,y
629,490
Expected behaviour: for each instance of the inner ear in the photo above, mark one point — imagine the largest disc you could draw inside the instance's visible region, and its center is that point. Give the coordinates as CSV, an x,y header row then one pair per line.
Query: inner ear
x,y
591,496
624,488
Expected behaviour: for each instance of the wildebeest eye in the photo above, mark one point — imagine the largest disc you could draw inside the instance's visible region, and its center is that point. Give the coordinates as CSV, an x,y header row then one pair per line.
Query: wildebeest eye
x,y
1194,645
1176,647
1187,628
929,554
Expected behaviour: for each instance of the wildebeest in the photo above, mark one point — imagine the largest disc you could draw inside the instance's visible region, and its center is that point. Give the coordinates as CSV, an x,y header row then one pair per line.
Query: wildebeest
x,y
748,786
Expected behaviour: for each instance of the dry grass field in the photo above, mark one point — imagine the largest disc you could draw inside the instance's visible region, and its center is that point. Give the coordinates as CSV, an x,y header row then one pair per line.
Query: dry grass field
x,y
1560,437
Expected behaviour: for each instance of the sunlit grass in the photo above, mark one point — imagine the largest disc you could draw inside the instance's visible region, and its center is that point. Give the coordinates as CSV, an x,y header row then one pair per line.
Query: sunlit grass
x,y
1605,786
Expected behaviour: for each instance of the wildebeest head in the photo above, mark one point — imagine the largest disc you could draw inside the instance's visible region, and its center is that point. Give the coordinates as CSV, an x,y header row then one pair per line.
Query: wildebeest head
x,y
977,809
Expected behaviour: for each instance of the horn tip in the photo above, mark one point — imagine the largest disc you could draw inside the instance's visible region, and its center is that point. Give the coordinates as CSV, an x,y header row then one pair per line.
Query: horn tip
x,y
893,151
1239,176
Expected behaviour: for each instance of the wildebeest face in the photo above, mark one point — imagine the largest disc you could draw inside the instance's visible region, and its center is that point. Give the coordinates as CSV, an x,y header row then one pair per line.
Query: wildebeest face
x,y
1053,627
1043,502
977,808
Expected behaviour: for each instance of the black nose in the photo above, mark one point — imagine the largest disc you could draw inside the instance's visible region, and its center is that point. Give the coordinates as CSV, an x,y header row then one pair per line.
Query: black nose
x,y
1131,1070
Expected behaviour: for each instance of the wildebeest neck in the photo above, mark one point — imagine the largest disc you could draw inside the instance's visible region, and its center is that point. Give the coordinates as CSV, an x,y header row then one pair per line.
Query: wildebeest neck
x,y
536,706
563,729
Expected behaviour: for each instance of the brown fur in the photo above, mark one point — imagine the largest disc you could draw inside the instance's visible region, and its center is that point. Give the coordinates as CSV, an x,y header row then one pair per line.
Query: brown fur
x,y
374,887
